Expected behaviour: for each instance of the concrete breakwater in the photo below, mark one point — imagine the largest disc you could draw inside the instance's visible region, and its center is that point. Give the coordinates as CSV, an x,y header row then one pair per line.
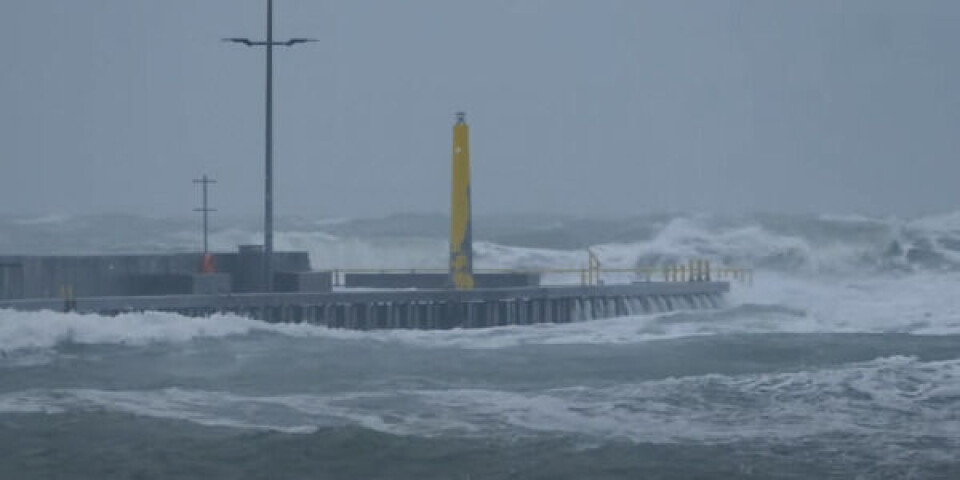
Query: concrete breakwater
x,y
416,309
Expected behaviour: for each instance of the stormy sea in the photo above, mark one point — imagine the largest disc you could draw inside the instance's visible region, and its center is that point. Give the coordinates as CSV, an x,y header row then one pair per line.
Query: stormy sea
x,y
840,360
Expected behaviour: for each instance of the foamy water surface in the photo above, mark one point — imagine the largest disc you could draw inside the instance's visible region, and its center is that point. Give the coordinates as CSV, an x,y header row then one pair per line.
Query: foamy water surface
x,y
842,358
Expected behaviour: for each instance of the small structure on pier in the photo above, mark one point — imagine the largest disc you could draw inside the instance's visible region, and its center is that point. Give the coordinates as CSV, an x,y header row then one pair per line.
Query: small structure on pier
x,y
34,276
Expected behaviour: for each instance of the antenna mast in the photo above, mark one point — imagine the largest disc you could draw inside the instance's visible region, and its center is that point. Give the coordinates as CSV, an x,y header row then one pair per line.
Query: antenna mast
x,y
205,210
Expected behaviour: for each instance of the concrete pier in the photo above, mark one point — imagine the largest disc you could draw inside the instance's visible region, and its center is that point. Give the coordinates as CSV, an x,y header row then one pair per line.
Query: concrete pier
x,y
28,276
415,309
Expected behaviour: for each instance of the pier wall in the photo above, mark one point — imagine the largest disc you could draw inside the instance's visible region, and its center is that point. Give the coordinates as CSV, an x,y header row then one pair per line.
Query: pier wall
x,y
419,309
115,275
432,280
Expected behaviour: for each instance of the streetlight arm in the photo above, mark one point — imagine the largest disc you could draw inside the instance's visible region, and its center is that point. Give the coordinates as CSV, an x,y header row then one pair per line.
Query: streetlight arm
x,y
245,41
294,41
251,43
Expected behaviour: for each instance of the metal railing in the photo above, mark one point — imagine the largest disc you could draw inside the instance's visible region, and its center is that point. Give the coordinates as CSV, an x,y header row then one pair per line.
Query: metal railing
x,y
592,274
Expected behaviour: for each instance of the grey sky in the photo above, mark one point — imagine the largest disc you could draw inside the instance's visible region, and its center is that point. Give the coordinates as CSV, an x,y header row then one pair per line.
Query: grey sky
x,y
585,107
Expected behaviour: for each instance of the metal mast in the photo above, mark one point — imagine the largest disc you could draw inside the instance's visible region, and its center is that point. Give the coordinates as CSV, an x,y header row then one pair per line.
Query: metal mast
x,y
268,141
205,209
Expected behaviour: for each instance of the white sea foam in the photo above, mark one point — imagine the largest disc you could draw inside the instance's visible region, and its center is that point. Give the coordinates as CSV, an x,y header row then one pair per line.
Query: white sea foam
x,y
923,304
895,396
891,394
31,330
853,218
43,330
804,299
825,243
939,223
334,252
674,241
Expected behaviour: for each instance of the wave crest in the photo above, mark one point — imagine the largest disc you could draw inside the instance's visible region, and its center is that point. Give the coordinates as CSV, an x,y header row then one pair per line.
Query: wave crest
x,y
35,330
891,396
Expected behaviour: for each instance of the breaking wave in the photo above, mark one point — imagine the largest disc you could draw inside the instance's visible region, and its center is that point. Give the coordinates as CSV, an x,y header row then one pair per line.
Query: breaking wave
x,y
891,396
806,245
796,243
39,330
822,245
924,305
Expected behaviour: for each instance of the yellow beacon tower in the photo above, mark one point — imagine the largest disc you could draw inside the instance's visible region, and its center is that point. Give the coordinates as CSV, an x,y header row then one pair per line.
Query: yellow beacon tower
x,y
461,235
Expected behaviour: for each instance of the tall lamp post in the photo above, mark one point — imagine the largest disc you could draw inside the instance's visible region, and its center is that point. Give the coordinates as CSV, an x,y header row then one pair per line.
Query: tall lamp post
x,y
269,43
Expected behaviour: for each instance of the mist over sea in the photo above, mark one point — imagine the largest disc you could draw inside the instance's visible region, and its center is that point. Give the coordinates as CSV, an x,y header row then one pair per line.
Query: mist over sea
x,y
840,360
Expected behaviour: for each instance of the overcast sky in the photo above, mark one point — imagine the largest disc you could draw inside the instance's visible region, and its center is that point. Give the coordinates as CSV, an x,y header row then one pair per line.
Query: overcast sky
x,y
585,107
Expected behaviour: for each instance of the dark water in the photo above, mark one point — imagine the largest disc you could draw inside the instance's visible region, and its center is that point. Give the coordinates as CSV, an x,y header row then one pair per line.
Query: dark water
x,y
295,405
101,445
